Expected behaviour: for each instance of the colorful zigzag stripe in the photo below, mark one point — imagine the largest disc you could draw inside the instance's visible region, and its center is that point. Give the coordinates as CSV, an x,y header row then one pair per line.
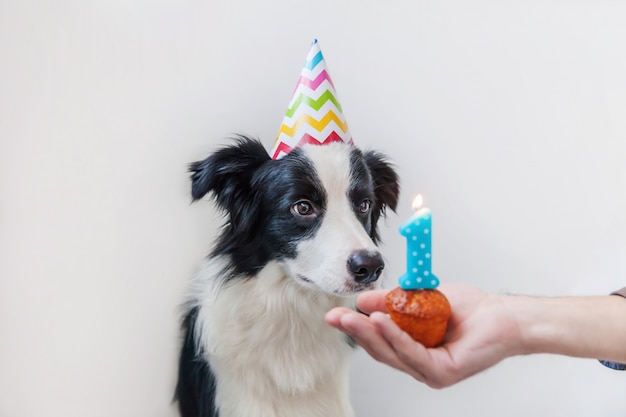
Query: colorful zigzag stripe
x,y
314,83
318,125
306,139
314,114
311,102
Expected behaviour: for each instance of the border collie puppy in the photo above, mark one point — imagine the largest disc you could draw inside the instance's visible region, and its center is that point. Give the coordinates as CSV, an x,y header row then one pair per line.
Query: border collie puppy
x,y
299,240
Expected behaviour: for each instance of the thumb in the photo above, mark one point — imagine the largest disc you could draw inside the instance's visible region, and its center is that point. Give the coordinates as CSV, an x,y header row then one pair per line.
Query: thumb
x,y
371,301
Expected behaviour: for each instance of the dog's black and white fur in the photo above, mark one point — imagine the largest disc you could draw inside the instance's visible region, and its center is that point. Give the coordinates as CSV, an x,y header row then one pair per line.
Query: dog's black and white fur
x,y
299,240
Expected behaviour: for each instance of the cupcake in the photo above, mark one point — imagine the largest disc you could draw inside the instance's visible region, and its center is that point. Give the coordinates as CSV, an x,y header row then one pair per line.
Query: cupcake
x,y
423,313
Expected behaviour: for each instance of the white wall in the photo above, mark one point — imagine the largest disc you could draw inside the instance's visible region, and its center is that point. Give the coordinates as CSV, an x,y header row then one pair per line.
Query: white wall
x,y
507,115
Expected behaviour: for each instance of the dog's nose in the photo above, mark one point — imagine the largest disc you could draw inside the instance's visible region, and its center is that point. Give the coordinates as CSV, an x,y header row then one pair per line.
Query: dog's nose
x,y
365,266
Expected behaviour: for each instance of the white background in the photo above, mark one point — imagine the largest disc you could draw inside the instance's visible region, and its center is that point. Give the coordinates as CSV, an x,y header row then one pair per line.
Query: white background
x,y
509,116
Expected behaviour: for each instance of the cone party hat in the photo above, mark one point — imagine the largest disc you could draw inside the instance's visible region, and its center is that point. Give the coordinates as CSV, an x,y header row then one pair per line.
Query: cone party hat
x,y
314,114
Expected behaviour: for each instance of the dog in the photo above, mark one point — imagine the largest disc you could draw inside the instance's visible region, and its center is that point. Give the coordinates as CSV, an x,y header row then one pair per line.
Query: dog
x,y
300,238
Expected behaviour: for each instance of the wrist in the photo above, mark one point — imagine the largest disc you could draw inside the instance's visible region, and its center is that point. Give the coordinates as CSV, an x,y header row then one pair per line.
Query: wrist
x,y
574,326
533,333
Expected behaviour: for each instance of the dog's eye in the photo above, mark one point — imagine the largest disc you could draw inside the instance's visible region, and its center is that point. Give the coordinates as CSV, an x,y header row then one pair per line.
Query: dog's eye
x,y
364,207
303,208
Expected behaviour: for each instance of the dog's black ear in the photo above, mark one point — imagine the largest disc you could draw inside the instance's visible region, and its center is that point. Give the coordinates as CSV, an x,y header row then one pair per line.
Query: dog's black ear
x,y
386,186
227,172
386,181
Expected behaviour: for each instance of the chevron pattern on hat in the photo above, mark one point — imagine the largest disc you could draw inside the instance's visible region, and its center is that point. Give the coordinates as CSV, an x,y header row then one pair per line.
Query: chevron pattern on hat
x,y
314,114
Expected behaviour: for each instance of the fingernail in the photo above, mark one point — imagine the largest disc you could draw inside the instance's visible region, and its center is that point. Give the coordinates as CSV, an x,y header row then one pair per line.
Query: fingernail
x,y
378,316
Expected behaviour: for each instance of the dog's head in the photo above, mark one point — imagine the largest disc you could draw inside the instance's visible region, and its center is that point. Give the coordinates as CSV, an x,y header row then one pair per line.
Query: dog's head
x,y
315,211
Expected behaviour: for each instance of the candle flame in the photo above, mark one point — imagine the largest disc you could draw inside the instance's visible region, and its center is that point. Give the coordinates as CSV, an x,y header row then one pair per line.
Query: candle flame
x,y
418,202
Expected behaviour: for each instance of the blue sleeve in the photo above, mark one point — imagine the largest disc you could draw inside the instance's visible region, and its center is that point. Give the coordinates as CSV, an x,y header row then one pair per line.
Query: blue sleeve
x,y
614,365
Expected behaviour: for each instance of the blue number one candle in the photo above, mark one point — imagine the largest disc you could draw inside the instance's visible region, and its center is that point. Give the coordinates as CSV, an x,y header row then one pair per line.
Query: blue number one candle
x,y
417,230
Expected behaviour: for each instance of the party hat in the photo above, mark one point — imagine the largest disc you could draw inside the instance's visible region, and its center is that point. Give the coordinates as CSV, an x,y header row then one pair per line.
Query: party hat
x,y
314,114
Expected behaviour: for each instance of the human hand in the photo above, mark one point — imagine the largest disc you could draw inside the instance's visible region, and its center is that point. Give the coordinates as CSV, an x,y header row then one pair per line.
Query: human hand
x,y
481,332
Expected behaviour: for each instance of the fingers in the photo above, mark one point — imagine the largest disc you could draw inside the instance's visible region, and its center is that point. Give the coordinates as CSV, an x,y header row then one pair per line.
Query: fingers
x,y
371,301
366,334
421,362
425,365
413,355
438,367
430,366
333,317
398,339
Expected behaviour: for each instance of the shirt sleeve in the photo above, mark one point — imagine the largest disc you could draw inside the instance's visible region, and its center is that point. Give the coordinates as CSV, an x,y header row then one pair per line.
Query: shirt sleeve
x,y
621,292
615,365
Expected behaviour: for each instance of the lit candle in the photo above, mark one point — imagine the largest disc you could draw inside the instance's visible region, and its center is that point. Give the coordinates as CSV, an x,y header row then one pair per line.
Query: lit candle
x,y
417,230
